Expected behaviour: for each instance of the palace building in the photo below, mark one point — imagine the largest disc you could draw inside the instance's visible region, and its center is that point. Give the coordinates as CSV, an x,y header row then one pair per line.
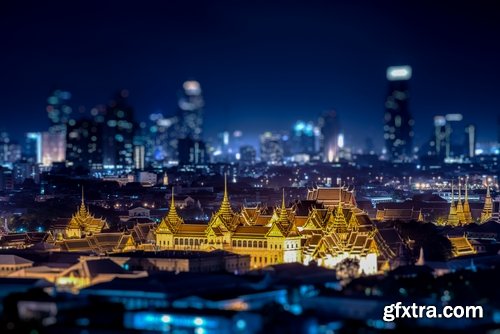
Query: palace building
x,y
324,229
82,223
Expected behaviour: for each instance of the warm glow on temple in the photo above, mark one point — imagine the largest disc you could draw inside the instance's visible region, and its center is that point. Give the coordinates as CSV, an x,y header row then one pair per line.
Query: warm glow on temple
x,y
333,229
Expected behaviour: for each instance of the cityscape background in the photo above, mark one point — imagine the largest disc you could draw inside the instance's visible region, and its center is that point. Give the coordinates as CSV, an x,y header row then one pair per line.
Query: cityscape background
x,y
248,167
297,60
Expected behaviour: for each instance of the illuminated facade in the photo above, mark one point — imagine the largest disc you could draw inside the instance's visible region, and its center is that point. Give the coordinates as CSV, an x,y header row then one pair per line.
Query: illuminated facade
x,y
460,213
487,212
398,125
332,230
81,223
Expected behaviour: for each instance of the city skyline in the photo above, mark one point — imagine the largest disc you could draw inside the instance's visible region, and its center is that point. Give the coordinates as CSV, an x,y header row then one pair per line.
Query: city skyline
x,y
258,72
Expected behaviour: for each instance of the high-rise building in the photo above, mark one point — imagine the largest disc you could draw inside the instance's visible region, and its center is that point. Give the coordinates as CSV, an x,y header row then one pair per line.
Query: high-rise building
x,y
58,109
190,123
54,142
192,152
470,141
248,155
118,134
304,138
10,151
84,144
271,148
32,149
331,137
53,147
398,122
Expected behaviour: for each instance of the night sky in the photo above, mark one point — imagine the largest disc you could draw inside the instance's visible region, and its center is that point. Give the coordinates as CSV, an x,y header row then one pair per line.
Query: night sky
x,y
261,65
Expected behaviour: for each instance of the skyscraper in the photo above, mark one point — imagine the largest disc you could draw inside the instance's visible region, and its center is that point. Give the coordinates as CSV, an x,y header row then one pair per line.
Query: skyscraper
x,y
118,133
190,111
54,141
331,137
84,144
398,122
58,109
271,148
303,138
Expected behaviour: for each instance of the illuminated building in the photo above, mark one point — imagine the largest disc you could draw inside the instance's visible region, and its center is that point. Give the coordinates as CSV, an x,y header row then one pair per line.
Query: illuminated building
x,y
32,149
118,134
248,155
461,246
467,212
81,223
398,125
54,141
10,151
53,147
388,214
331,137
84,144
58,109
192,152
304,138
487,212
26,170
190,111
91,271
460,208
470,142
271,148
335,230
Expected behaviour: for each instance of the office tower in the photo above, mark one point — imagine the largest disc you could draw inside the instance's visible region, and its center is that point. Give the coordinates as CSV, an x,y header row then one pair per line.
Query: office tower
x,y
160,139
304,138
398,125
248,155
24,169
54,142
271,148
32,149
10,151
58,109
192,152
331,137
470,141
84,144
440,142
53,147
118,134
190,124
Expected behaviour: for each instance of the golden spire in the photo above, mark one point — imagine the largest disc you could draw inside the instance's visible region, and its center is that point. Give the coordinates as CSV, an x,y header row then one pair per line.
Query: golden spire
x,y
452,216
172,213
283,217
467,213
83,210
460,209
225,206
486,214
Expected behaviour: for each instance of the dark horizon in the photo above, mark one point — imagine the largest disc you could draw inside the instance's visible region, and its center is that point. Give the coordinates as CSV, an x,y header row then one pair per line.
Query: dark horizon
x,y
254,62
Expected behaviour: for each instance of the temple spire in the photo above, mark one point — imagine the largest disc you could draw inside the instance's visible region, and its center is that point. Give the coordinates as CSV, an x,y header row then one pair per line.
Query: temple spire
x,y
487,212
460,209
225,207
283,217
83,212
467,213
452,216
172,213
